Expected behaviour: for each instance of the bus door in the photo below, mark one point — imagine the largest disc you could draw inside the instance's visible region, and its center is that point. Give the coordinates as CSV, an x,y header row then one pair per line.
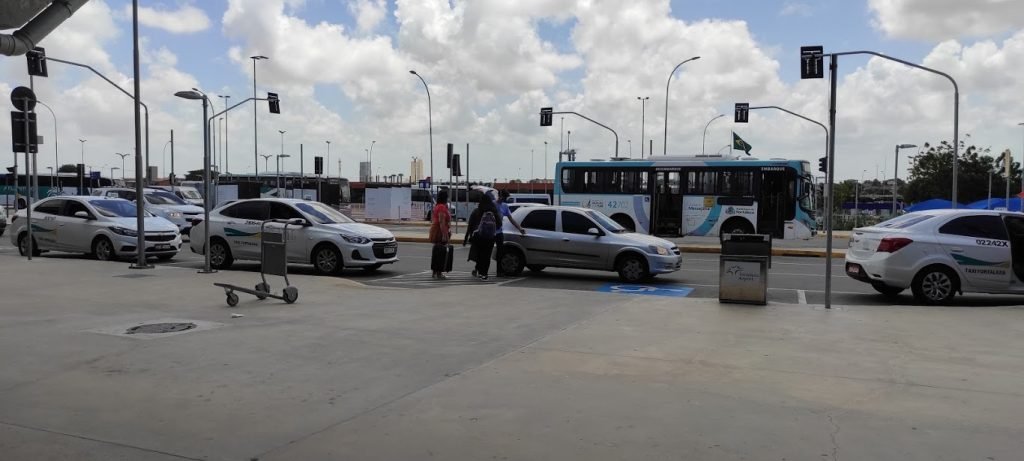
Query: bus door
x,y
668,203
773,201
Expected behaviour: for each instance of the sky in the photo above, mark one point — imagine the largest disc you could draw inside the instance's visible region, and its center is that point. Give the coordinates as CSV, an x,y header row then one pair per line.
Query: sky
x,y
341,68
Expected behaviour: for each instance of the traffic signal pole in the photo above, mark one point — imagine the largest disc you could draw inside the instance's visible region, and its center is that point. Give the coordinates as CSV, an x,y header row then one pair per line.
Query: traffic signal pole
x,y
833,70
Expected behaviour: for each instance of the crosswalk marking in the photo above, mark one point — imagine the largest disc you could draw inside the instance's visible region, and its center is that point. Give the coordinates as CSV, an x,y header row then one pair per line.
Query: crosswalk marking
x,y
424,280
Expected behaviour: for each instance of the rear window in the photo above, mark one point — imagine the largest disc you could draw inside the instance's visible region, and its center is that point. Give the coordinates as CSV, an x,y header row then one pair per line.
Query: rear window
x,y
979,226
905,221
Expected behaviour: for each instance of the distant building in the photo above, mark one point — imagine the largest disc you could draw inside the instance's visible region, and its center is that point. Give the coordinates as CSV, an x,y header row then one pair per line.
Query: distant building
x,y
416,169
365,172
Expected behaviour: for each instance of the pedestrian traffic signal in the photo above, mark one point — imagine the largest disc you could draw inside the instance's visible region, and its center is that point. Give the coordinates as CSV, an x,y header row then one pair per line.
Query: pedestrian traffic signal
x,y
823,164
451,151
275,104
545,116
37,62
318,165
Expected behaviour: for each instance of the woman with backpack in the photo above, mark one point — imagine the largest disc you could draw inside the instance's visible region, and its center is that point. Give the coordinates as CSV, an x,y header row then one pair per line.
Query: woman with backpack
x,y
481,230
440,234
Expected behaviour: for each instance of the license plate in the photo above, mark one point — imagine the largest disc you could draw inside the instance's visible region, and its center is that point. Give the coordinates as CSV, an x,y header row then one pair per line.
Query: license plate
x,y
163,246
390,251
853,269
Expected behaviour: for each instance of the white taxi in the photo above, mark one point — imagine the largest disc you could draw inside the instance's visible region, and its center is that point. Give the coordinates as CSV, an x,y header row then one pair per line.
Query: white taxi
x,y
940,253
327,239
101,226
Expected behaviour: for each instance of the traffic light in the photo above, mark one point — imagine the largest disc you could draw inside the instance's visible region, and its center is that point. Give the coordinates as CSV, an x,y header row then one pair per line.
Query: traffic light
x,y
741,113
318,165
275,103
823,164
545,116
456,165
37,62
451,151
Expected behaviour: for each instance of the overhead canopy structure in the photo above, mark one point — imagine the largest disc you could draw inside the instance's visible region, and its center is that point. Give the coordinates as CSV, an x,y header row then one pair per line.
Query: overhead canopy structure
x,y
933,204
36,19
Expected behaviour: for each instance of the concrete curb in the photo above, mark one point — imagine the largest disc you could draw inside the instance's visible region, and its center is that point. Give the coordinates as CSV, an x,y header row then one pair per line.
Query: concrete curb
x,y
707,249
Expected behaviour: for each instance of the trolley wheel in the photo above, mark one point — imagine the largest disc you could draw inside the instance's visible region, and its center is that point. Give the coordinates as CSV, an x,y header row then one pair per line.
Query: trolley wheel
x,y
291,294
264,288
232,299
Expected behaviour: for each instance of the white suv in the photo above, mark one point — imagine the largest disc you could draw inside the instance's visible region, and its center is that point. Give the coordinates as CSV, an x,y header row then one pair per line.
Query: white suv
x,y
329,240
939,253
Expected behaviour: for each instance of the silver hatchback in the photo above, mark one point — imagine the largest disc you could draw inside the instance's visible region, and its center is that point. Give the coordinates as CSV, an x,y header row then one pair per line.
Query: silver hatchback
x,y
580,238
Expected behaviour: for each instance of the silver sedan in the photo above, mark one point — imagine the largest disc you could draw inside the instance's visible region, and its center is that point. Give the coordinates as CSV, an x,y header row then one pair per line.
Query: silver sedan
x,y
580,238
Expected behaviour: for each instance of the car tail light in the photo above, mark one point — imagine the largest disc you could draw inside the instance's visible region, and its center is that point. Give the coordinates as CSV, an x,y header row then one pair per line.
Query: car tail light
x,y
893,244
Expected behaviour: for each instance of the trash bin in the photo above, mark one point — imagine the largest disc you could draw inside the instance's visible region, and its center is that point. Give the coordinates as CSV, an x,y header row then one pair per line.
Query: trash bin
x,y
743,268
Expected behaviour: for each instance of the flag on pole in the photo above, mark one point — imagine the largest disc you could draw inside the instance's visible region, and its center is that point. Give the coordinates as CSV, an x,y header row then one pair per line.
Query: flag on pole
x,y
740,144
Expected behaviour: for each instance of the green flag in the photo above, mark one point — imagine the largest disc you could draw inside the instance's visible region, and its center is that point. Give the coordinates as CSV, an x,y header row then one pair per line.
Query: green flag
x,y
739,144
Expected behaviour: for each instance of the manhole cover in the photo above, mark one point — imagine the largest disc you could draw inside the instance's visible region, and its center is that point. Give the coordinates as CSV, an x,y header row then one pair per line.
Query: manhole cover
x,y
156,328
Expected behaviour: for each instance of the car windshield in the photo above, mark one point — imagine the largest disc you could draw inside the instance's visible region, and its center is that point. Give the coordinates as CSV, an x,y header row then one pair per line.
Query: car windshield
x,y
322,213
115,208
163,198
607,223
905,221
190,194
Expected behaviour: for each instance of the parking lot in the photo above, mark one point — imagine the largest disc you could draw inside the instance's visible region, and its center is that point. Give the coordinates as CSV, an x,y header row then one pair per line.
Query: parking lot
x,y
394,365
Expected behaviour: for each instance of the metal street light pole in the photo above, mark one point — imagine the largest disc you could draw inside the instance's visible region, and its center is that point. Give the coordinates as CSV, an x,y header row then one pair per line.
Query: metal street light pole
x,y
163,160
545,167
643,112
896,174
369,155
327,170
207,192
279,157
630,143
266,163
430,124
56,161
225,136
122,163
255,130
1022,162
81,180
664,143
703,141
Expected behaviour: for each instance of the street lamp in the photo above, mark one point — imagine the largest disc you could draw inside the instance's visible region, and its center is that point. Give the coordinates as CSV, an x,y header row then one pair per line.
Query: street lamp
x,y
266,163
643,110
1022,163
225,137
122,164
163,160
56,160
81,180
430,124
194,95
369,153
545,167
630,142
856,198
327,171
703,140
896,172
664,143
255,131
279,157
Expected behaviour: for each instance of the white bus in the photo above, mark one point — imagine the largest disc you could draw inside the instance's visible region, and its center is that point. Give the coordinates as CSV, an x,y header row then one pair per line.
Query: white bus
x,y
701,196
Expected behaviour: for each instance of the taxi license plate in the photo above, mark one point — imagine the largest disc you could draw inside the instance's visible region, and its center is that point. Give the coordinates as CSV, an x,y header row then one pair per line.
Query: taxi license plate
x,y
163,246
390,251
853,269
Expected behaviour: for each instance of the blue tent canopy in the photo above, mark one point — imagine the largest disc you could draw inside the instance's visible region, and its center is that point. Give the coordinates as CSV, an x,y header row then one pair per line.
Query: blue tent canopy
x,y
1013,205
933,204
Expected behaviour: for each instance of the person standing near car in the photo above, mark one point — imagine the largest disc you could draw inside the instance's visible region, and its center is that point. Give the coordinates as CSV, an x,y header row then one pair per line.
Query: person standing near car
x,y
499,239
440,234
481,230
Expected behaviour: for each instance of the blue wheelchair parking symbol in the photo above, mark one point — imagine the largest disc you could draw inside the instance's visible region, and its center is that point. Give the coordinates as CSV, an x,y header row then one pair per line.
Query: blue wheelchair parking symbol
x,y
673,291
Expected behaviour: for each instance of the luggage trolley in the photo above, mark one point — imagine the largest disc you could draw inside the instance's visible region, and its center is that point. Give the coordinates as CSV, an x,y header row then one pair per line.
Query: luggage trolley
x,y
273,261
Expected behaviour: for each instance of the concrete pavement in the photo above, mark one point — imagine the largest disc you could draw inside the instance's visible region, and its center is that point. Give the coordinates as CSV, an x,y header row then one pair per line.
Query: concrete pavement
x,y
487,372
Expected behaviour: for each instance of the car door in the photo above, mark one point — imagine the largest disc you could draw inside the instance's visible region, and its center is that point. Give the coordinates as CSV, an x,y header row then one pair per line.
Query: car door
x,y
981,249
76,232
581,248
541,240
298,236
46,226
242,227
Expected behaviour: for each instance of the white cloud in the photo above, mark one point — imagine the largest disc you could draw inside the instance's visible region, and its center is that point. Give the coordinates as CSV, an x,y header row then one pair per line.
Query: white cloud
x,y
791,8
368,13
185,20
937,20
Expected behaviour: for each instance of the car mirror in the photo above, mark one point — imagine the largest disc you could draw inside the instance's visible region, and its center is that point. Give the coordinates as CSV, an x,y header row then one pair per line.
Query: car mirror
x,y
82,214
594,231
299,222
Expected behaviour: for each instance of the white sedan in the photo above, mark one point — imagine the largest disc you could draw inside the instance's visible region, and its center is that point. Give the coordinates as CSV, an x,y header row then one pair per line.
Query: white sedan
x,y
327,239
939,253
101,226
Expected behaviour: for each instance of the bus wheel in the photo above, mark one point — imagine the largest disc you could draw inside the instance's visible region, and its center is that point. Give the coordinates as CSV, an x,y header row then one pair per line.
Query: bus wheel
x,y
736,226
625,221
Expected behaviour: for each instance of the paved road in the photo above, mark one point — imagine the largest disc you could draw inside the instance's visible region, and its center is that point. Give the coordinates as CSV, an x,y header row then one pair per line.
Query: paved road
x,y
792,280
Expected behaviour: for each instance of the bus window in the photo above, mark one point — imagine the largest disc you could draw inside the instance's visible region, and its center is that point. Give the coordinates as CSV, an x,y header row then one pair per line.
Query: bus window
x,y
736,183
701,182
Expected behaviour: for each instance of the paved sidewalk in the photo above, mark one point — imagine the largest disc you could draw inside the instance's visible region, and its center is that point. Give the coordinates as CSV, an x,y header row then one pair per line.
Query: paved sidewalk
x,y
487,372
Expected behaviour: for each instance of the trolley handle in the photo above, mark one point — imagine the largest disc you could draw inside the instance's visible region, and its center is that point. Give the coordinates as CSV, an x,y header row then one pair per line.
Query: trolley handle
x,y
286,222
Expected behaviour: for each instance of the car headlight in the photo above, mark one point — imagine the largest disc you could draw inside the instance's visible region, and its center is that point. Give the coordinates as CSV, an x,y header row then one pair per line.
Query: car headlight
x,y
124,231
355,239
174,214
658,250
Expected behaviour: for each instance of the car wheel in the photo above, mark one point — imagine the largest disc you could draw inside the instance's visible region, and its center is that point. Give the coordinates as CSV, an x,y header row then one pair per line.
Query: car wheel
x,y
327,259
632,268
512,262
23,246
736,226
220,254
536,267
886,289
372,269
935,285
102,249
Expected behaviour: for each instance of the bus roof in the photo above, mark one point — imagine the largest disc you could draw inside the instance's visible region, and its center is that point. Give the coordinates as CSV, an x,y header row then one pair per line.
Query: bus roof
x,y
658,161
